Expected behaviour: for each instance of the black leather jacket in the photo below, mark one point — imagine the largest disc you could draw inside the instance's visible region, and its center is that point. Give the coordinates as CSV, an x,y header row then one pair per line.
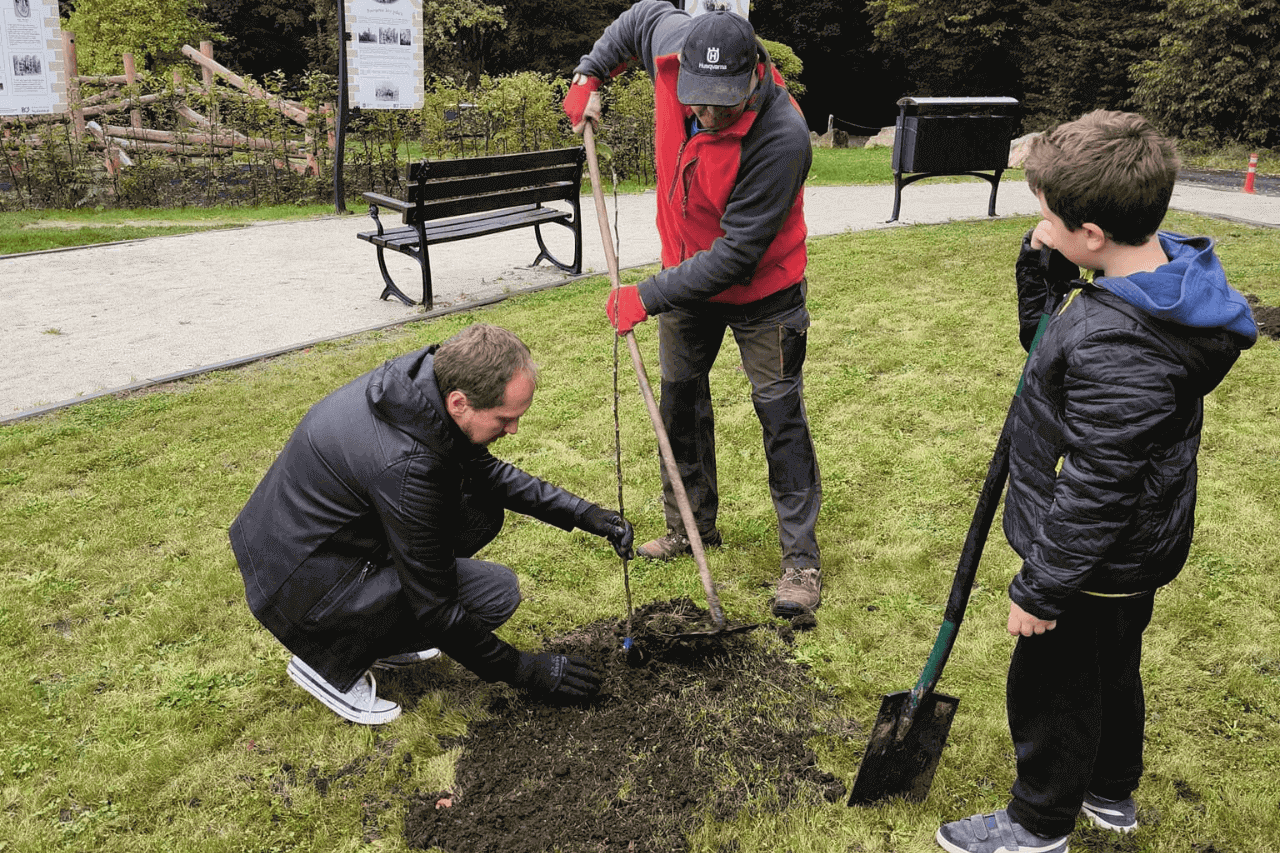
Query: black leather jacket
x,y
352,532
1102,466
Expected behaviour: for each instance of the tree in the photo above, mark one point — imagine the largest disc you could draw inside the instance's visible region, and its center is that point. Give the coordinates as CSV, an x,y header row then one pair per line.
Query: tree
x,y
457,35
1080,56
952,49
154,31
550,36
263,36
843,78
1216,76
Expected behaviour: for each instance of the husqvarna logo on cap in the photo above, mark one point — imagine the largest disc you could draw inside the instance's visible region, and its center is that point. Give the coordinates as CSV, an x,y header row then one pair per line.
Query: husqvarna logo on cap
x,y
713,55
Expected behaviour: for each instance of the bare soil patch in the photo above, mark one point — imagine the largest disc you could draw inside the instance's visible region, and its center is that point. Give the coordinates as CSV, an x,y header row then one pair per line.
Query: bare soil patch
x,y
1266,316
694,728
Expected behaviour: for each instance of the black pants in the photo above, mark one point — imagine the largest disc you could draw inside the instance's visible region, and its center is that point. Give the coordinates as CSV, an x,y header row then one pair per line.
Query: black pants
x,y
1077,712
771,337
488,591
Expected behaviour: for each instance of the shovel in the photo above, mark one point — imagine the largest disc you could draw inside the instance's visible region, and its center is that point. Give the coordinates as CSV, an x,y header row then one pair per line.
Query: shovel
x,y
912,725
664,443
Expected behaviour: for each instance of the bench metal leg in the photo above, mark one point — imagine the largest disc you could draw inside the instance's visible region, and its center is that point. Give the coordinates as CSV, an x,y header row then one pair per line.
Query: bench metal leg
x,y
899,181
424,260
544,252
390,289
995,186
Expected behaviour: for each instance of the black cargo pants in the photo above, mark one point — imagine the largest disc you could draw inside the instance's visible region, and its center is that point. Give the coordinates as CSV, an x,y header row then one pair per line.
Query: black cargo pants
x,y
771,335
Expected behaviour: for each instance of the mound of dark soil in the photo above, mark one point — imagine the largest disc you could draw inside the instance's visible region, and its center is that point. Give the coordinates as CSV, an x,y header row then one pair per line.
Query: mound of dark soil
x,y
1267,317
694,728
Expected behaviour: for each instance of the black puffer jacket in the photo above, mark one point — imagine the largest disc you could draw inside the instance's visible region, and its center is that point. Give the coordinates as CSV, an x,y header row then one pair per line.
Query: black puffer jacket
x,y
351,533
1102,468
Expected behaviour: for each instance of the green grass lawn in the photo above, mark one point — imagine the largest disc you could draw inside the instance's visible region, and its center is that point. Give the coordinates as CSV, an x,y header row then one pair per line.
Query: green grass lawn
x,y
144,709
38,230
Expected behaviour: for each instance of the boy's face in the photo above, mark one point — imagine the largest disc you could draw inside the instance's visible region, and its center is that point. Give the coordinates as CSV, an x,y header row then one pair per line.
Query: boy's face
x,y
1080,246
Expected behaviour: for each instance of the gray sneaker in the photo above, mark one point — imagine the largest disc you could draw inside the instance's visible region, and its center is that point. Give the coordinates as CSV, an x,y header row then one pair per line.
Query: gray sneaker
x,y
799,591
995,833
360,704
1115,815
675,544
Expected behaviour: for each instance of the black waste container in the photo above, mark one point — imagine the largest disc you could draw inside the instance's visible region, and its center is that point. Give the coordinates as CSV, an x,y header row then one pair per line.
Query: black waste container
x,y
952,136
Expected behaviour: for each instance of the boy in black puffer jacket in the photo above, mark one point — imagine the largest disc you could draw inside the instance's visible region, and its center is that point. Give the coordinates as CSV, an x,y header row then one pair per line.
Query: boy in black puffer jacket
x,y
1102,468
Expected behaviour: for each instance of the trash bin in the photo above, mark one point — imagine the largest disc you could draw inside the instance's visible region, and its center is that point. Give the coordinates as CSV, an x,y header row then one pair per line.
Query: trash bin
x,y
952,136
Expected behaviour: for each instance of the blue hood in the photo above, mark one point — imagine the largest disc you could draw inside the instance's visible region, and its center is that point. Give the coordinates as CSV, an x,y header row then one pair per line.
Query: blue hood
x,y
1190,290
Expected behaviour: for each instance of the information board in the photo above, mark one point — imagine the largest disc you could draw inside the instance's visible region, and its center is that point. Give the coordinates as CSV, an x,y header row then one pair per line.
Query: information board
x,y
384,55
32,71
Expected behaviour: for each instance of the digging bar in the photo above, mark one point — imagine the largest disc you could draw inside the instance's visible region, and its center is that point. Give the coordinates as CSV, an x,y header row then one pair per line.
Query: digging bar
x,y
664,443
912,725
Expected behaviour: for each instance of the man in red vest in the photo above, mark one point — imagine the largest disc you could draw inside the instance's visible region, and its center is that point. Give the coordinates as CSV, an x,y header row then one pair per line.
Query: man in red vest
x,y
732,153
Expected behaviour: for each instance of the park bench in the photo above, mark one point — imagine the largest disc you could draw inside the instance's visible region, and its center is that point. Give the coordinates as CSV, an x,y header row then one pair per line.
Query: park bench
x,y
449,200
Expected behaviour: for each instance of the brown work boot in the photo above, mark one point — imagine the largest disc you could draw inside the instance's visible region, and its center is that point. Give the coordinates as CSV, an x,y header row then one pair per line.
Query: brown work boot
x,y
674,544
799,591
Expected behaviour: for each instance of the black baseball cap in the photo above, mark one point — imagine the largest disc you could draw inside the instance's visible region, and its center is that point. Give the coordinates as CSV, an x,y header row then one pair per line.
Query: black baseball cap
x,y
717,59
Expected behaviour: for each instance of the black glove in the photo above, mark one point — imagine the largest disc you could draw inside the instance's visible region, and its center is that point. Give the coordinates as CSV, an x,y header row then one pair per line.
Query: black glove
x,y
551,676
608,524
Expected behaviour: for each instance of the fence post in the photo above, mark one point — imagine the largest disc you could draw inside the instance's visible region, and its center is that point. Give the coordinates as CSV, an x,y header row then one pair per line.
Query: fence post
x,y
131,80
73,83
206,80
183,122
206,73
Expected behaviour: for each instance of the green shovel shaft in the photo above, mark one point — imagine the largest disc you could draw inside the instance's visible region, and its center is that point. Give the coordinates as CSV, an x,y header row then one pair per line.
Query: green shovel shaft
x,y
970,555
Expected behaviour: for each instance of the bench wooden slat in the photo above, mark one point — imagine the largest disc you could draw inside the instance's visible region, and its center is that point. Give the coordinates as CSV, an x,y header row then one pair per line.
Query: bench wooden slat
x,y
462,228
436,169
490,183
450,207
503,220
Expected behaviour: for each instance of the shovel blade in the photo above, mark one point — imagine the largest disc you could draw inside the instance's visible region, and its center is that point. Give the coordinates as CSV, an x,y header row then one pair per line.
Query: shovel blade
x,y
904,768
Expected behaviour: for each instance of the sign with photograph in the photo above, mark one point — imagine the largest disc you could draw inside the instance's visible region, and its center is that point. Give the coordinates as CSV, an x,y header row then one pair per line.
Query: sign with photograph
x,y
32,71
384,55
697,7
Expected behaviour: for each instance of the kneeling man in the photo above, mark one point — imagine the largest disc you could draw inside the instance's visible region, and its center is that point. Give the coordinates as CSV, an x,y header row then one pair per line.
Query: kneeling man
x,y
356,548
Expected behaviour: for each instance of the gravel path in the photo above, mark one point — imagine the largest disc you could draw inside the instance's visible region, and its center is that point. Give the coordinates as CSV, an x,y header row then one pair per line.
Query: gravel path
x,y
86,322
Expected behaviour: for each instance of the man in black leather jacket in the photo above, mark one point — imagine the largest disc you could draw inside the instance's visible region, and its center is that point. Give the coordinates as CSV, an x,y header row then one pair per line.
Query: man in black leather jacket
x,y
356,546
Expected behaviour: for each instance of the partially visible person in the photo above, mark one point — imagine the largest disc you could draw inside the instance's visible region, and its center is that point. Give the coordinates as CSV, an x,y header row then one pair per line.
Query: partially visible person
x,y
1102,469
732,152
357,546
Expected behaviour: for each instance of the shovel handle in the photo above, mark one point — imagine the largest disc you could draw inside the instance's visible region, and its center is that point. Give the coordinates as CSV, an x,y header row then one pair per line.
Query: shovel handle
x,y
664,442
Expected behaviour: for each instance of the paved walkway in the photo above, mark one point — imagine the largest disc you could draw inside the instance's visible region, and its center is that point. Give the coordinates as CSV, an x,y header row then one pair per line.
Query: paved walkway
x,y
81,323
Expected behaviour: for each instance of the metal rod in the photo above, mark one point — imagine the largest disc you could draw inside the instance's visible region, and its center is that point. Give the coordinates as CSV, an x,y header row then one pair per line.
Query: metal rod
x,y
664,443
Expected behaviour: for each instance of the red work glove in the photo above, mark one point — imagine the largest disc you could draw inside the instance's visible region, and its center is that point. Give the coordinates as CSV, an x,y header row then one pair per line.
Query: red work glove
x,y
575,102
625,309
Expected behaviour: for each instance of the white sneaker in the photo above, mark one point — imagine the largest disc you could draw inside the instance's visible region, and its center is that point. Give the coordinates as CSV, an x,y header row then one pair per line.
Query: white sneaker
x,y
406,659
360,704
